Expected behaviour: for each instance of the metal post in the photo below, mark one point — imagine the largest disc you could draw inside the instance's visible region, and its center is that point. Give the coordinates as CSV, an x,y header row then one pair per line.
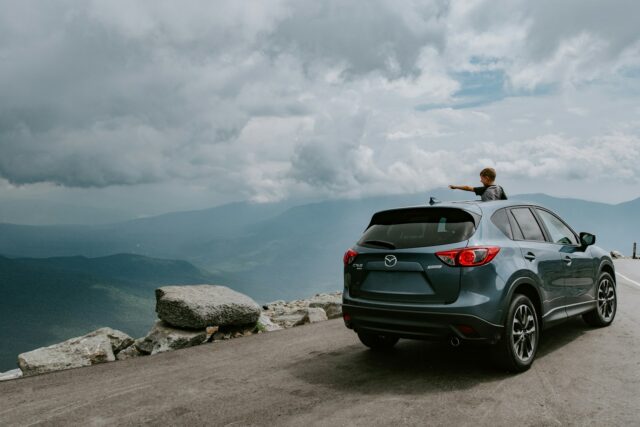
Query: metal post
x,y
634,250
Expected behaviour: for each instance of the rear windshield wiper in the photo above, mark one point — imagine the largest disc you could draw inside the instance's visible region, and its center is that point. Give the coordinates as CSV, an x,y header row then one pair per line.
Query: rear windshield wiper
x,y
380,243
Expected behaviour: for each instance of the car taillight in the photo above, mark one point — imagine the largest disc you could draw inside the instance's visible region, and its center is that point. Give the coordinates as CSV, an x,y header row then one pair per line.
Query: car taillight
x,y
468,257
349,256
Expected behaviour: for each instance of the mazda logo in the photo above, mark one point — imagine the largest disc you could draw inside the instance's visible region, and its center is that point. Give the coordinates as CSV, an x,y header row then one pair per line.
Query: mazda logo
x,y
390,260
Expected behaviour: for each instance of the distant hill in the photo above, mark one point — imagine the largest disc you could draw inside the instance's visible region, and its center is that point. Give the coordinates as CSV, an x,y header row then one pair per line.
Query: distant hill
x,y
44,301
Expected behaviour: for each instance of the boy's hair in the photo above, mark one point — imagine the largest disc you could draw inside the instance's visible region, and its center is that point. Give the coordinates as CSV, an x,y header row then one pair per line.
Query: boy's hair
x,y
489,173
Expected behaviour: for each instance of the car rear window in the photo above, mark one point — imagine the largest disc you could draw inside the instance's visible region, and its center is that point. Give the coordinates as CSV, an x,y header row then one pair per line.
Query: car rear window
x,y
418,227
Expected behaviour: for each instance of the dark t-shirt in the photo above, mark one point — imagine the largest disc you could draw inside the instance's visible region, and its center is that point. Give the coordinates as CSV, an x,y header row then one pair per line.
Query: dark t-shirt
x,y
490,192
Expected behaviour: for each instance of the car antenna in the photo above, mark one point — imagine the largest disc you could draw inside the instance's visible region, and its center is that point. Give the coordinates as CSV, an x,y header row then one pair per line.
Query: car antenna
x,y
433,200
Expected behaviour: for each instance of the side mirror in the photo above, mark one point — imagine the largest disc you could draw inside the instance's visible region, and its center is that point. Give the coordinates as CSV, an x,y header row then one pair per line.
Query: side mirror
x,y
587,239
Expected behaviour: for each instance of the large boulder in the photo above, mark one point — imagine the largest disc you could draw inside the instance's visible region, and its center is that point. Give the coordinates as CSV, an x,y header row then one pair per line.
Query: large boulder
x,y
163,337
199,306
73,353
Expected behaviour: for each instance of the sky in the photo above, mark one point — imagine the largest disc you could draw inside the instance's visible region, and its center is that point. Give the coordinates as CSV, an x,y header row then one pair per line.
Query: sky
x,y
158,106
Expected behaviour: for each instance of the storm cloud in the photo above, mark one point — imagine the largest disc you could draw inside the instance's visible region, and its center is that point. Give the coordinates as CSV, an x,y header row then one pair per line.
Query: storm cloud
x,y
290,98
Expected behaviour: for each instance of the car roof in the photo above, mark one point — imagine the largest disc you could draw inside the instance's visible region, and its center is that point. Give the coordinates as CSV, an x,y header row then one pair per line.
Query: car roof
x,y
476,206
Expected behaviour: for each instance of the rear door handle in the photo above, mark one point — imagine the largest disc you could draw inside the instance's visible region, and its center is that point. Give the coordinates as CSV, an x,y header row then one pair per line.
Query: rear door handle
x,y
530,256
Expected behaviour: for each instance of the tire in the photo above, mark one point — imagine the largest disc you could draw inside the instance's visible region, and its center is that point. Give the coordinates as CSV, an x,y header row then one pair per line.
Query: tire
x,y
518,348
607,306
377,342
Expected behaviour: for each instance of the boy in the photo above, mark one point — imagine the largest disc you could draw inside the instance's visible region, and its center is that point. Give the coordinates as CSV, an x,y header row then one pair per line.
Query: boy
x,y
489,190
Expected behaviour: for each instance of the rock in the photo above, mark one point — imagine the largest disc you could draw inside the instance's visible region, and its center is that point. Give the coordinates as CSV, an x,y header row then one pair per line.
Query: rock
x,y
316,314
616,254
218,336
330,303
10,375
144,347
271,305
291,319
199,306
163,337
129,353
119,340
73,353
265,324
211,331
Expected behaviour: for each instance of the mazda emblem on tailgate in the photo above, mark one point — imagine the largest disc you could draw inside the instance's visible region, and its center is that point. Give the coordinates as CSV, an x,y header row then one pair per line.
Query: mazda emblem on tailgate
x,y
390,260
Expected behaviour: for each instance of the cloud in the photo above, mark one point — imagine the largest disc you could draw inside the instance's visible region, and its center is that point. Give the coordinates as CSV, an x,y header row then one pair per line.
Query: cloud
x,y
266,101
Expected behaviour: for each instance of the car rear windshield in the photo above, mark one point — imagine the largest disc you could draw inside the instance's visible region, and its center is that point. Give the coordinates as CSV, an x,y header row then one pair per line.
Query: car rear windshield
x,y
418,227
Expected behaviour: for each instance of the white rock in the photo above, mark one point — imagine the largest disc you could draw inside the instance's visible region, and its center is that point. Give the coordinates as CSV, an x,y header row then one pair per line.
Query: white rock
x,y
316,314
73,353
267,324
293,318
10,375
330,303
616,254
119,340
163,337
273,304
129,353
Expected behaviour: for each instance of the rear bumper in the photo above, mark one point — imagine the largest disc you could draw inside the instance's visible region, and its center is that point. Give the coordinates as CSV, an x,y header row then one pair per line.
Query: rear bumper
x,y
421,323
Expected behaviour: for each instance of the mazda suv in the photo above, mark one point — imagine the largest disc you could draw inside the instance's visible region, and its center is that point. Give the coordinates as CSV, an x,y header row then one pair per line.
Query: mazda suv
x,y
487,272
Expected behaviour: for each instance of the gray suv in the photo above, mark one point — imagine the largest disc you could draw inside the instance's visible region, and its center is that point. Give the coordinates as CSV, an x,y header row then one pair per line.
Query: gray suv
x,y
490,272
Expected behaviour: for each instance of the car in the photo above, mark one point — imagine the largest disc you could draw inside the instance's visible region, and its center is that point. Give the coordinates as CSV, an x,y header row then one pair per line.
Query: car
x,y
496,272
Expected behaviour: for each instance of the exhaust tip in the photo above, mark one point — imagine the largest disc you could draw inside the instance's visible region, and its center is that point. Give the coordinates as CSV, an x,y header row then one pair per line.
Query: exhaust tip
x,y
454,341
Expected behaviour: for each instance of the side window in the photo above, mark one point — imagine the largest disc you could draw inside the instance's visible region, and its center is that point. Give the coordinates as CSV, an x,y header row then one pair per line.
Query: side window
x,y
499,218
528,224
517,232
559,232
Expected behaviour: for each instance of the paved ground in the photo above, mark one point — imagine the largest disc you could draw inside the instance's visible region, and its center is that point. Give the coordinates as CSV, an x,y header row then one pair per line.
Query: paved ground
x,y
320,375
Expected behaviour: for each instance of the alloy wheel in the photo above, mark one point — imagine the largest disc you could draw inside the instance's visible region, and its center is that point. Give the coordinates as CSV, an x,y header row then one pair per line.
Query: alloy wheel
x,y
606,299
523,333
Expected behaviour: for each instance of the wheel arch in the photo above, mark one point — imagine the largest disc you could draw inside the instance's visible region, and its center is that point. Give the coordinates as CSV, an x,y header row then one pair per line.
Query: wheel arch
x,y
527,286
607,267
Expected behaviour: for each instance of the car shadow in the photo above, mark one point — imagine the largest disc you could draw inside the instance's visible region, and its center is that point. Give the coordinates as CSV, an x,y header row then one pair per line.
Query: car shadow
x,y
411,367
557,337
415,367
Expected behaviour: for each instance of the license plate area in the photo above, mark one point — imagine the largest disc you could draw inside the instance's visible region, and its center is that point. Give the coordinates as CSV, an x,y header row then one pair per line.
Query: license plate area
x,y
397,283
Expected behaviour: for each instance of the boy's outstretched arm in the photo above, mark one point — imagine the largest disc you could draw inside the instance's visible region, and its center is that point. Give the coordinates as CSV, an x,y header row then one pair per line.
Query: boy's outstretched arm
x,y
461,187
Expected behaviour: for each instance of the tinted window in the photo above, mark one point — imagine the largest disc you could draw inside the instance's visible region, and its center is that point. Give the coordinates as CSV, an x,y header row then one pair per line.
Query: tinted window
x,y
559,232
499,218
517,233
528,224
419,227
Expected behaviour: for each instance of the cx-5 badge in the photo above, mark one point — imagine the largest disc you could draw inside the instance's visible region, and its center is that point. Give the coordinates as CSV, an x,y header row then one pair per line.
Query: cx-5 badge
x,y
390,260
